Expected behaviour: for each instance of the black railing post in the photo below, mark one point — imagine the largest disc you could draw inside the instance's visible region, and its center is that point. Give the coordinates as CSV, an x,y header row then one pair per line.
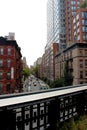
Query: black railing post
x,y
31,117
53,114
45,115
7,120
23,116
80,104
38,113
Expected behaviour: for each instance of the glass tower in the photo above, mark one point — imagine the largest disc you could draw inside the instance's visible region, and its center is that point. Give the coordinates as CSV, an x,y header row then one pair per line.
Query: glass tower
x,y
56,23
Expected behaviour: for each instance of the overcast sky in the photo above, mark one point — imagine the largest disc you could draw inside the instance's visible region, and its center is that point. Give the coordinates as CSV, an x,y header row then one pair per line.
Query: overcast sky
x,y
28,20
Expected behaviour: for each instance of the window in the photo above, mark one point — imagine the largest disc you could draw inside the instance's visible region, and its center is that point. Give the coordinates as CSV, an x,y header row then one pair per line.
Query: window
x,y
85,52
84,14
77,17
81,52
73,2
73,13
81,74
85,63
81,63
85,73
78,30
8,75
1,75
78,37
1,86
74,33
9,63
74,20
84,22
8,87
78,2
77,24
74,27
1,63
9,51
83,29
73,8
85,37
81,82
1,51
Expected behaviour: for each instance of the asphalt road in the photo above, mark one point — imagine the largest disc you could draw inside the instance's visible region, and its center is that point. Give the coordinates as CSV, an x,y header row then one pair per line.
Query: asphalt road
x,y
33,84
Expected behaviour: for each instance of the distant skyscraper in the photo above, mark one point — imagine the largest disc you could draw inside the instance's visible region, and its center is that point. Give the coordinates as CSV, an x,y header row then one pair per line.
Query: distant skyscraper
x,y
11,36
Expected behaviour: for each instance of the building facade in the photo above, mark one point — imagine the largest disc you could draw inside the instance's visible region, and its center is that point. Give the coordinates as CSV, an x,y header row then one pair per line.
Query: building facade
x,y
75,57
76,39
48,62
56,23
55,32
10,66
66,25
80,26
72,6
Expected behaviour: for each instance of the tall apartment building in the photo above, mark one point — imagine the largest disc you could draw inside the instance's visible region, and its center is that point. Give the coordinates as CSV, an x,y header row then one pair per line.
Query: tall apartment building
x,y
72,6
48,62
60,15
10,66
80,26
24,62
55,31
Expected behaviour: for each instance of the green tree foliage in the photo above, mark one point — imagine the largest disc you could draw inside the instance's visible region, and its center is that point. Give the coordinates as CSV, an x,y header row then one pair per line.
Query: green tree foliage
x,y
68,78
26,72
63,81
44,79
47,81
84,5
57,83
74,124
35,71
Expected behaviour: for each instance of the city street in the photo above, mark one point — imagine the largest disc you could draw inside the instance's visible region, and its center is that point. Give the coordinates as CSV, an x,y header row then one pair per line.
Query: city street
x,y
33,84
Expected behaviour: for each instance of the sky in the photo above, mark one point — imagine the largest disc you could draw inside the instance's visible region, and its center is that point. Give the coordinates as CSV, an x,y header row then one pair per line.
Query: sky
x,y
28,20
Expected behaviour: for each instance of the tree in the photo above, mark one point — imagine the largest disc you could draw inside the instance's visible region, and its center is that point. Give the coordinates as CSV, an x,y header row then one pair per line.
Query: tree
x,y
84,5
26,72
68,78
57,83
35,71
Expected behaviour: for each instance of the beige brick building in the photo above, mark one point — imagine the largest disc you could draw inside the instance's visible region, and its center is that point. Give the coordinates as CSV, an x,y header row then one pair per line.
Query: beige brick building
x,y
75,57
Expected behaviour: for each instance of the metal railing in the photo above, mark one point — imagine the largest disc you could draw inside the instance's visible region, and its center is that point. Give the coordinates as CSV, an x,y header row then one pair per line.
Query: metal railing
x,y
41,110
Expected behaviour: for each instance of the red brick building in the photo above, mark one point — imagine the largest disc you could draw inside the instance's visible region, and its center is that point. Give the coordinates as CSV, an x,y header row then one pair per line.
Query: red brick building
x,y
47,67
10,66
80,26
71,8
